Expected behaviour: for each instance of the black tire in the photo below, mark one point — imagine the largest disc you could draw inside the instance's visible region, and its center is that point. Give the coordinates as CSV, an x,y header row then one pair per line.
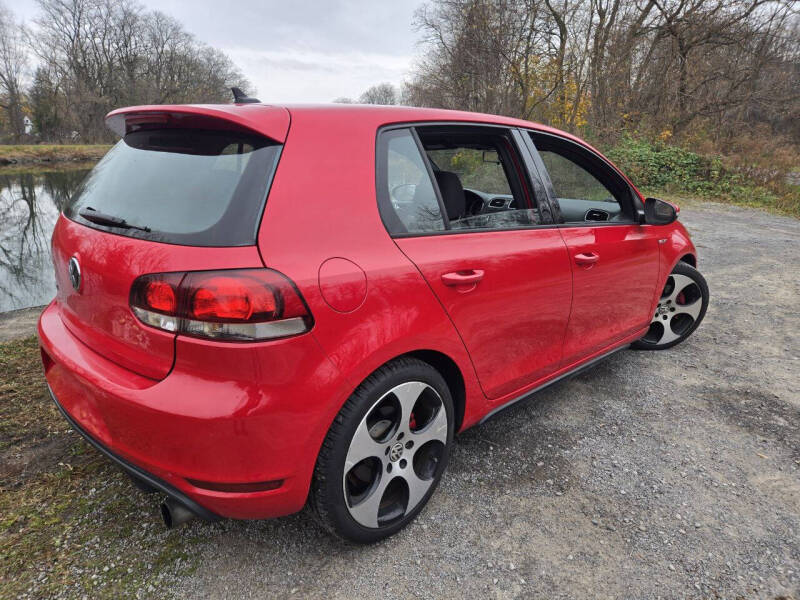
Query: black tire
x,y
328,496
669,320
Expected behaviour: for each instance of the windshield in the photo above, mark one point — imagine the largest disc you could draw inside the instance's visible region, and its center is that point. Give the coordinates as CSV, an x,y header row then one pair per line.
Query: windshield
x,y
181,186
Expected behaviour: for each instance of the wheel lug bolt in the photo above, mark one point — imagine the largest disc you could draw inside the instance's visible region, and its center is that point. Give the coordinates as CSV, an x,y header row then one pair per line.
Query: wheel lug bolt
x,y
389,468
403,463
400,437
409,445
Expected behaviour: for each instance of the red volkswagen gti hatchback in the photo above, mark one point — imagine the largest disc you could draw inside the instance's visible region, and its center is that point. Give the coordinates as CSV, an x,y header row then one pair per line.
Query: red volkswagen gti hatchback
x,y
263,306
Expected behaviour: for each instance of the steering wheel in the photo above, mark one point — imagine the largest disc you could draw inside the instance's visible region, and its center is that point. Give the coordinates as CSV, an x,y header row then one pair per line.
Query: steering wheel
x,y
403,193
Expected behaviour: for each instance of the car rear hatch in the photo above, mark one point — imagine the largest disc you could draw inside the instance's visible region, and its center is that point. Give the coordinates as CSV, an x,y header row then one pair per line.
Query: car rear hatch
x,y
183,190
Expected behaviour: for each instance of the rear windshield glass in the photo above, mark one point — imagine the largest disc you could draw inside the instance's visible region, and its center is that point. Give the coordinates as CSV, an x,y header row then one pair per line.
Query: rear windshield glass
x,y
181,186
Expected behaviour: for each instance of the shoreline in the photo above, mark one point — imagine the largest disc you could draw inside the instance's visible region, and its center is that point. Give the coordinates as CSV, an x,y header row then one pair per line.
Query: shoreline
x,y
19,323
47,154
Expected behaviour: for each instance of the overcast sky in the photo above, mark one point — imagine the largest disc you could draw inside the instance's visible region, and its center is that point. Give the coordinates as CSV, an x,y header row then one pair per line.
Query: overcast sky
x,y
299,51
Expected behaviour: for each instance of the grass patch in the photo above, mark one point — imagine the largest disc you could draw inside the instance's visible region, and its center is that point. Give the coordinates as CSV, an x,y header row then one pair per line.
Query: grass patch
x,y
71,524
663,169
37,153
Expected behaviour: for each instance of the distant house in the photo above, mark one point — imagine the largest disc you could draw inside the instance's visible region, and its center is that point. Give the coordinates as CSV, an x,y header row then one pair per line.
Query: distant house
x,y
27,125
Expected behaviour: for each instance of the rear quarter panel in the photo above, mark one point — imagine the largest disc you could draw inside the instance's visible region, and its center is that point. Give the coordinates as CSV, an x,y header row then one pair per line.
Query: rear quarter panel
x,y
322,205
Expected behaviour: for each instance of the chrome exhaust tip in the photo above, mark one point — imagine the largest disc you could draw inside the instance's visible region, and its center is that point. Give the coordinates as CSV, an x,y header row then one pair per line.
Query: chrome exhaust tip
x,y
175,514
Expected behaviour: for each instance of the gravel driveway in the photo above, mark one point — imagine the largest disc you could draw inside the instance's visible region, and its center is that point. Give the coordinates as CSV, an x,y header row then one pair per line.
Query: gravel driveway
x,y
672,474
667,474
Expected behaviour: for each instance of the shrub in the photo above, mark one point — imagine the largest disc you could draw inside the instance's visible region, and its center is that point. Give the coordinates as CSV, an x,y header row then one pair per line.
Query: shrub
x,y
658,166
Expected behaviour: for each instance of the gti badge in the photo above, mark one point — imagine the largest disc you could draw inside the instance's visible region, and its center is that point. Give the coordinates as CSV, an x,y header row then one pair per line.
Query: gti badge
x,y
75,273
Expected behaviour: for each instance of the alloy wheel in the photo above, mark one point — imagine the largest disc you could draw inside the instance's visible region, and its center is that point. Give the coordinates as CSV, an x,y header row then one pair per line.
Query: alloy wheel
x,y
394,454
678,308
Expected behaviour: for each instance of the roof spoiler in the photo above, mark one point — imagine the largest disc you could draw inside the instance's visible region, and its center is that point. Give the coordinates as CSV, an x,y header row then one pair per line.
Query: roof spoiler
x,y
268,121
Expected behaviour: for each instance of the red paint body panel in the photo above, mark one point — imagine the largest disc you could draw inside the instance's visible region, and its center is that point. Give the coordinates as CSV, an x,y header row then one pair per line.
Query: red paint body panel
x,y
400,314
226,413
99,314
565,369
611,297
343,284
185,408
513,321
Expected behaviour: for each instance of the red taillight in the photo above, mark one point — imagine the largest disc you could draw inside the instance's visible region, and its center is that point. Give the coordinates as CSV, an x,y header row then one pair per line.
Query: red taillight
x,y
230,298
160,296
238,304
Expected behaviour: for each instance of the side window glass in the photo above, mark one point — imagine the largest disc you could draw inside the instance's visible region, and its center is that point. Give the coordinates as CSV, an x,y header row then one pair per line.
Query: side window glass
x,y
585,193
570,180
408,202
479,178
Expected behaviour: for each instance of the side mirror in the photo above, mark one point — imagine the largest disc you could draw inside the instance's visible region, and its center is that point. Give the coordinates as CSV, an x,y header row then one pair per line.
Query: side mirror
x,y
658,212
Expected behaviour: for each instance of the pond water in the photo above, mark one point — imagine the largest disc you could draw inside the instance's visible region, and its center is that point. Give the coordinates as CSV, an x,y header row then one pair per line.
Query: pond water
x,y
30,202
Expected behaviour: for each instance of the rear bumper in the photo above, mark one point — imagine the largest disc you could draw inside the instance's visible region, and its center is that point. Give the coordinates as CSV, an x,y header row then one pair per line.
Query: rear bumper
x,y
138,472
247,417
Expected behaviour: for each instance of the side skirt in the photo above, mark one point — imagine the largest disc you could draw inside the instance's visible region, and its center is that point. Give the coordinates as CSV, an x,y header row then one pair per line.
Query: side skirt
x,y
568,374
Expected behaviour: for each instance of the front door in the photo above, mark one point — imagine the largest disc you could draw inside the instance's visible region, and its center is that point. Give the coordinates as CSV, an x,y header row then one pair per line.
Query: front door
x,y
461,207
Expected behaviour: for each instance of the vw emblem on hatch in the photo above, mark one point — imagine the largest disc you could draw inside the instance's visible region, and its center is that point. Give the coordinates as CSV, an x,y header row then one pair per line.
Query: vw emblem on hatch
x,y
75,273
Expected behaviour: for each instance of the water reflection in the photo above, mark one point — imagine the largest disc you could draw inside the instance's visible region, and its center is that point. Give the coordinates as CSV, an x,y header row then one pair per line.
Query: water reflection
x,y
30,203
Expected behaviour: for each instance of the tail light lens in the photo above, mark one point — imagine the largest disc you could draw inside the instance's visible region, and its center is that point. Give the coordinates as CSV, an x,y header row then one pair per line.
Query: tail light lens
x,y
237,304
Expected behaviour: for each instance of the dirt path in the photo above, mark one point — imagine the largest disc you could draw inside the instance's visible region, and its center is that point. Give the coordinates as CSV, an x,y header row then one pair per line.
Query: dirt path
x,y
19,323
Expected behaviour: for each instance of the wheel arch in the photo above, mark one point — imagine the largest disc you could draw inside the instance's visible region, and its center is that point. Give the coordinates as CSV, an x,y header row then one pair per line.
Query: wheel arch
x,y
449,370
690,259
462,385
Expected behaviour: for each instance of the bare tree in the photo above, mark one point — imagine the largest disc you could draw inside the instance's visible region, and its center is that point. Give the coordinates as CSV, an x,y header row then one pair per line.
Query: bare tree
x,y
613,65
383,93
13,63
101,54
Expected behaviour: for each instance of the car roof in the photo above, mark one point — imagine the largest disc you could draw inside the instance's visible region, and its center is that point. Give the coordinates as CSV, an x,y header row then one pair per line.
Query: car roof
x,y
271,119
410,114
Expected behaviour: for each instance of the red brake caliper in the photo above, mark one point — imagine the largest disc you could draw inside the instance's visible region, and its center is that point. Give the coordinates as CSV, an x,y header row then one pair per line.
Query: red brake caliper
x,y
412,422
681,299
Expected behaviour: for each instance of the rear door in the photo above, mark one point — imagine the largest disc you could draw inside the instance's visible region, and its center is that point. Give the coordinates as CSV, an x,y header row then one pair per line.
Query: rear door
x,y
615,260
460,205
182,195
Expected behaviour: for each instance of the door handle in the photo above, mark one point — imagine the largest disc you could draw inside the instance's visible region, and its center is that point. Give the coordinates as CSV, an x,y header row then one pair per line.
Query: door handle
x,y
462,278
586,259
